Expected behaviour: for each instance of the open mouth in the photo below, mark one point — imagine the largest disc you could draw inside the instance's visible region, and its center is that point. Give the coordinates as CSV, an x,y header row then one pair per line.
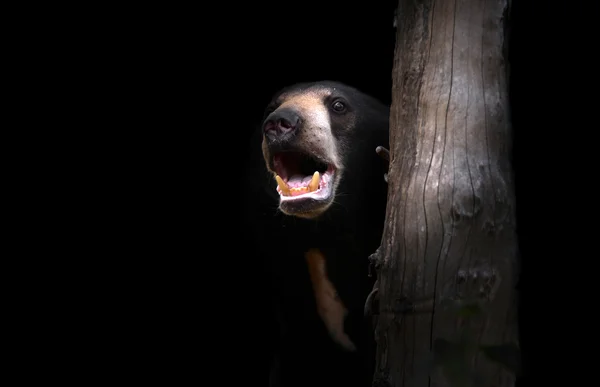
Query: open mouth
x,y
302,176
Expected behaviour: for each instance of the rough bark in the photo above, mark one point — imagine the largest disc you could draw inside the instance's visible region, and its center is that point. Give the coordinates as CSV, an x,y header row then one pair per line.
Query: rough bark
x,y
449,252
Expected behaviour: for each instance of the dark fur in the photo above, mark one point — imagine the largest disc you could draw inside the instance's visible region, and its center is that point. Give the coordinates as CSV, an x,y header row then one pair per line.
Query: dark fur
x,y
347,233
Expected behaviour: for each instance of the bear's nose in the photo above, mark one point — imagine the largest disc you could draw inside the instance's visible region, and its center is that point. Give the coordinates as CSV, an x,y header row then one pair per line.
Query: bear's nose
x,y
280,123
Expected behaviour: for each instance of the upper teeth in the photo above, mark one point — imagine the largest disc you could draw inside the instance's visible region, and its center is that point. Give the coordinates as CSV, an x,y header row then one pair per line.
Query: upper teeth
x,y
312,186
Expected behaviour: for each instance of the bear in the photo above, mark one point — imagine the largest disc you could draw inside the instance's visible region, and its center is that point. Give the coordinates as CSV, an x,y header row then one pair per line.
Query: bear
x,y
315,210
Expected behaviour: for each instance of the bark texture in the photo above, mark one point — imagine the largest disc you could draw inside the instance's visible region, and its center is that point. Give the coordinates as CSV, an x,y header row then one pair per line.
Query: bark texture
x,y
448,272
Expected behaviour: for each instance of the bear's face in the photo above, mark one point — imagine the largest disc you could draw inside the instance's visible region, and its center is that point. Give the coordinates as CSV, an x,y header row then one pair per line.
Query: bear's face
x,y
307,135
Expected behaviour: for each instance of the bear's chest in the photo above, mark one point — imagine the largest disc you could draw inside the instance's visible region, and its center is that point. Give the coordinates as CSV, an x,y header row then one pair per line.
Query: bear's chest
x,y
338,268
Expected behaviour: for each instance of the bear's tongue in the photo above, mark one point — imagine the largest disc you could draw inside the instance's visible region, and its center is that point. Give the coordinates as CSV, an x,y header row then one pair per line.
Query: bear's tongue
x,y
299,184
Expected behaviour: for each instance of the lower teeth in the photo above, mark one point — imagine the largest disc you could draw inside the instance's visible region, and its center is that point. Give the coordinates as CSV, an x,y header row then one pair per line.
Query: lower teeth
x,y
313,185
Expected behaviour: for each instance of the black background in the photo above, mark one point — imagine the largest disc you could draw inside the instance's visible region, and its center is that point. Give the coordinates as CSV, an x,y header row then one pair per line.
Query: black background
x,y
184,89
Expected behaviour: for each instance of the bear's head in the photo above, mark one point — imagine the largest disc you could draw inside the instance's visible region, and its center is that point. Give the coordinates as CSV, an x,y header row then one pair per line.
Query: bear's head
x,y
318,141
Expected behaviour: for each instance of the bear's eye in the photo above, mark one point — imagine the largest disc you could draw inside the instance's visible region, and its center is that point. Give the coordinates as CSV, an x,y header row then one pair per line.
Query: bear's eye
x,y
338,106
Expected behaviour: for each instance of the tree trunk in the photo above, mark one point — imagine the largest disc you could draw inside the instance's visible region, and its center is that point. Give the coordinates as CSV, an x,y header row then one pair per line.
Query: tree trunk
x,y
448,266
